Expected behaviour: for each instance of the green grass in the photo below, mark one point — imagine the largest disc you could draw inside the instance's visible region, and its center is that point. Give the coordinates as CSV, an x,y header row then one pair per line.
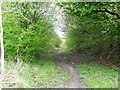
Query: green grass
x,y
98,76
41,73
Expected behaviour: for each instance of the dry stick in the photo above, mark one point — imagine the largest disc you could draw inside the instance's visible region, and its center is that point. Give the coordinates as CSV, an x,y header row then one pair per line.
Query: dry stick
x,y
2,45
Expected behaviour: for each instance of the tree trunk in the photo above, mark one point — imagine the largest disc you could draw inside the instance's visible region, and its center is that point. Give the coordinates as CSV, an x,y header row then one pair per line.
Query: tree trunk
x,y
2,46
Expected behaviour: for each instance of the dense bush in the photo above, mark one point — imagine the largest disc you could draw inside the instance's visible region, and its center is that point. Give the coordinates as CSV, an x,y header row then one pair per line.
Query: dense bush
x,y
28,33
85,32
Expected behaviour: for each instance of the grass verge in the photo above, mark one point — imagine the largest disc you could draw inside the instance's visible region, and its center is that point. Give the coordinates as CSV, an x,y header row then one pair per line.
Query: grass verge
x,y
41,73
98,76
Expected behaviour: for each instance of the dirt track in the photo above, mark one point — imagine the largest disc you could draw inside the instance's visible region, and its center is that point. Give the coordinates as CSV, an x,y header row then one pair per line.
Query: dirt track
x,y
69,64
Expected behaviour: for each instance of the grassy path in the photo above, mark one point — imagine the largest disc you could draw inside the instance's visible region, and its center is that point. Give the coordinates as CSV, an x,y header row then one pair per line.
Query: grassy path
x,y
74,72
84,73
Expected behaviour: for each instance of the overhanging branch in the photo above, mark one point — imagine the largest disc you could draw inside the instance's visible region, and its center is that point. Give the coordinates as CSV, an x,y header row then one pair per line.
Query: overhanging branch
x,y
107,11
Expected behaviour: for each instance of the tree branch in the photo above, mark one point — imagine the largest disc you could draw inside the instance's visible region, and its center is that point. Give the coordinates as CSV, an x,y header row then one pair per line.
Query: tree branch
x,y
107,11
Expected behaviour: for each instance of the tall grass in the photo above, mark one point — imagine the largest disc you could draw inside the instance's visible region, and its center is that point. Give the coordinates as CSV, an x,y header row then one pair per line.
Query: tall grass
x,y
41,73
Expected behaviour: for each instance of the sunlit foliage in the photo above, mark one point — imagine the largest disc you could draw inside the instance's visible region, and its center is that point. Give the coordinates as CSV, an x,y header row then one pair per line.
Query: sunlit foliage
x,y
28,30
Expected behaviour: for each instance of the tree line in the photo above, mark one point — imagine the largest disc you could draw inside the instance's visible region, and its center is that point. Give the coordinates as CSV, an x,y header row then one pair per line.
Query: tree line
x,y
93,27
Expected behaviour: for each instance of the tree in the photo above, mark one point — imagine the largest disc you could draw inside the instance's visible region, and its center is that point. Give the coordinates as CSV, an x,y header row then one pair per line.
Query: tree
x,y
2,45
92,25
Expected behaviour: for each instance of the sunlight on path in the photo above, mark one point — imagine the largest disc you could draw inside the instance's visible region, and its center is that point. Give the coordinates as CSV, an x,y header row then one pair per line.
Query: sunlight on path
x,y
59,27
59,22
